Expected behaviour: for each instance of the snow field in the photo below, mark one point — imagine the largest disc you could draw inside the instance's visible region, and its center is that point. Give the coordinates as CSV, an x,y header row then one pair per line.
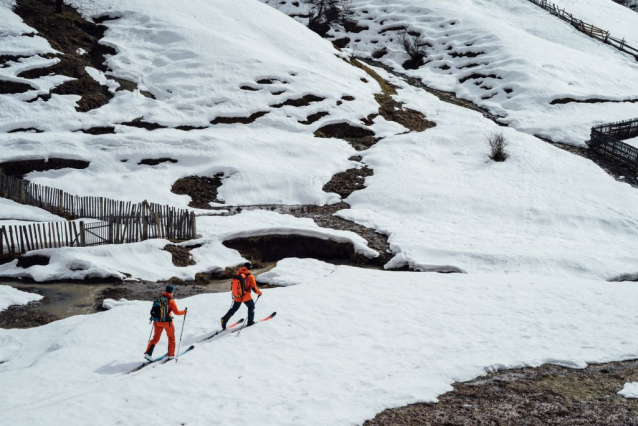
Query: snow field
x,y
10,296
164,51
512,58
341,349
543,211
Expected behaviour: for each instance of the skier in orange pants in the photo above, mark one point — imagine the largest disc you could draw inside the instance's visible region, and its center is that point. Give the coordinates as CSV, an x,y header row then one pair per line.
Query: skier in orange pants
x,y
161,316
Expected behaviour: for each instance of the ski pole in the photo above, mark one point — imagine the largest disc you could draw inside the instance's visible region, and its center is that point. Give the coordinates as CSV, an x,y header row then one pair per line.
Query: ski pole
x,y
151,333
180,336
242,326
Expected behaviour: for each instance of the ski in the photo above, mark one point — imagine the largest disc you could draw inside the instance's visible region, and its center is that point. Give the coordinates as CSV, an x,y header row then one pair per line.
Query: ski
x,y
190,348
269,317
221,331
147,363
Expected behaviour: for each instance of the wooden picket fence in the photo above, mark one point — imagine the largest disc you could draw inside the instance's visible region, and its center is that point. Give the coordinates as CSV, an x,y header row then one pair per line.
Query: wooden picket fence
x,y
34,236
607,139
119,221
586,28
171,224
631,4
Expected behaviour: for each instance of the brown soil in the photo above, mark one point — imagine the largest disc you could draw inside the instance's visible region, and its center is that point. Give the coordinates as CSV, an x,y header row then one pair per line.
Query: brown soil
x,y
156,161
301,102
394,28
271,81
67,32
477,76
589,101
201,189
26,130
465,54
547,395
252,89
345,183
104,130
181,255
358,137
392,110
239,120
11,87
26,316
143,124
21,168
313,118
449,97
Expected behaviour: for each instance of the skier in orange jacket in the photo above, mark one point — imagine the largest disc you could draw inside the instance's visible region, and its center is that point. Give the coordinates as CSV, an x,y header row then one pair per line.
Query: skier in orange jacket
x,y
163,320
242,285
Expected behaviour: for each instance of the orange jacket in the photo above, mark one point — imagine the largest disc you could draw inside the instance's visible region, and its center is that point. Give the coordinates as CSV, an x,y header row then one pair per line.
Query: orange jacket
x,y
172,305
251,284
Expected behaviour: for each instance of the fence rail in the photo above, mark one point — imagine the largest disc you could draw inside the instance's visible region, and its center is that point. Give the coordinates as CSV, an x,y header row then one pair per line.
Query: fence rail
x,y
586,28
18,239
120,222
607,138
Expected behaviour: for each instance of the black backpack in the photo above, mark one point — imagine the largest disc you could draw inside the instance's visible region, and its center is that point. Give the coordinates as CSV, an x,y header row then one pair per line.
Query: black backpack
x,y
242,284
159,311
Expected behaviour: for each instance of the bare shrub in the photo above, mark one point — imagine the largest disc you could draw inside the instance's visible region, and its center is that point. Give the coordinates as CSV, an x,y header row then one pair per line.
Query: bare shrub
x,y
327,14
414,47
380,52
498,147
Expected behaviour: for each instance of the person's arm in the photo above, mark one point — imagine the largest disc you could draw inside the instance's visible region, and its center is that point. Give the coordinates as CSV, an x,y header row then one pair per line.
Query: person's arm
x,y
253,284
174,309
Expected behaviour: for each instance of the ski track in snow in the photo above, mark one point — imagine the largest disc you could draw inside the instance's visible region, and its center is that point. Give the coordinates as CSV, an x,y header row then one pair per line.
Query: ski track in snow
x,y
364,341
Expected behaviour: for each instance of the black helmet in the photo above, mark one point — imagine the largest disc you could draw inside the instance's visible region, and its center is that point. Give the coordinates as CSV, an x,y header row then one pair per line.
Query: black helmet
x,y
248,265
169,289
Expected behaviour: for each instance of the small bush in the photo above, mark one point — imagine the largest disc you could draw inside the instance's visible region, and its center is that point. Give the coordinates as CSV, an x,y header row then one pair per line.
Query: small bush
x,y
380,52
327,14
498,147
414,46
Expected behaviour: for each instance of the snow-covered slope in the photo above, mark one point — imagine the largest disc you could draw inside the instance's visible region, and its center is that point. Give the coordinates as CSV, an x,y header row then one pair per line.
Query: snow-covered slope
x,y
341,349
512,57
543,210
166,51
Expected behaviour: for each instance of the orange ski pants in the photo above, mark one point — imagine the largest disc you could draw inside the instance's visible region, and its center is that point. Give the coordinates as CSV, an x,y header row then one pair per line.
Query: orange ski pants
x,y
158,328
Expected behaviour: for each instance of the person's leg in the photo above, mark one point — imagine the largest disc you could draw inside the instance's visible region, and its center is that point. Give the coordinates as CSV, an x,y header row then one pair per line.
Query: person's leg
x,y
157,333
170,332
251,311
231,311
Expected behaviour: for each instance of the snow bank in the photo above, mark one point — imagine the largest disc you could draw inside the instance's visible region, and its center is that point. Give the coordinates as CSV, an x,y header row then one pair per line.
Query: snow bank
x,y
147,260
630,390
12,213
293,271
338,352
10,296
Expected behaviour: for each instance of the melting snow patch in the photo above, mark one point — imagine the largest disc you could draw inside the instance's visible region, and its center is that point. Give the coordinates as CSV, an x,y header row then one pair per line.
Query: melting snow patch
x,y
630,390
295,271
9,296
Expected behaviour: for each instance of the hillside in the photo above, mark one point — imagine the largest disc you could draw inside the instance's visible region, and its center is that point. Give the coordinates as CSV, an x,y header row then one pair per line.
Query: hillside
x,y
400,258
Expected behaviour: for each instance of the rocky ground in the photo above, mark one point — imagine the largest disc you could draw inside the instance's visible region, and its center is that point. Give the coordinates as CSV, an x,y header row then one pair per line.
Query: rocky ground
x,y
547,395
